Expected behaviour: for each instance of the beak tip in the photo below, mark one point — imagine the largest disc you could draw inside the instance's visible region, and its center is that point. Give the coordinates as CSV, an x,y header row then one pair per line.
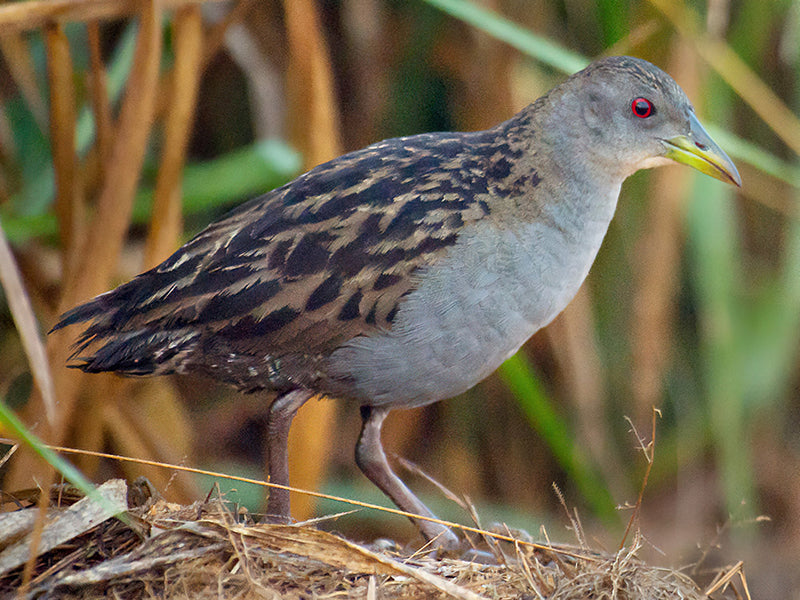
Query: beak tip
x,y
733,176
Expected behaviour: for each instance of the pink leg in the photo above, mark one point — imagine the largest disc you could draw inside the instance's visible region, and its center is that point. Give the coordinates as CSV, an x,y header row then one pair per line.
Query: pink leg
x,y
281,413
371,459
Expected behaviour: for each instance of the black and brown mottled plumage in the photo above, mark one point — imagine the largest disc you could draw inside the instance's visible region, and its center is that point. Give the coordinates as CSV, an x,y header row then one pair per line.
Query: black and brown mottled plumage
x,y
403,273
292,275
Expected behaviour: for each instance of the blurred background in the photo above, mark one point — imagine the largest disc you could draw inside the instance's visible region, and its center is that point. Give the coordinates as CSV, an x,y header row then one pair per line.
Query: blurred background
x,y
126,127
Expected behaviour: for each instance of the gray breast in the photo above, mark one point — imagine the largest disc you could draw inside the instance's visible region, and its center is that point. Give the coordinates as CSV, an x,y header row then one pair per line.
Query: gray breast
x,y
472,311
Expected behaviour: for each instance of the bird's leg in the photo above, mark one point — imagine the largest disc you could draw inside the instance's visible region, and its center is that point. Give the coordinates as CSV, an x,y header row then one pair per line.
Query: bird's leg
x,y
281,413
371,459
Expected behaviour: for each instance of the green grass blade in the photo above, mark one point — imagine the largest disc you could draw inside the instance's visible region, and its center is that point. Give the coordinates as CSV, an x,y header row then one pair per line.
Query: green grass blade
x,y
714,259
242,173
10,422
509,32
518,375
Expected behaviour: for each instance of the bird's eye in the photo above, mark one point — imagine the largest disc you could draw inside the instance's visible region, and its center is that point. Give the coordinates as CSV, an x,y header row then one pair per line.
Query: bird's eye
x,y
642,107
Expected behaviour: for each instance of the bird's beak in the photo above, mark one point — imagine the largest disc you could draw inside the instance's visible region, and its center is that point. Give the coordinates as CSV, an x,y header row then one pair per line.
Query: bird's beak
x,y
698,150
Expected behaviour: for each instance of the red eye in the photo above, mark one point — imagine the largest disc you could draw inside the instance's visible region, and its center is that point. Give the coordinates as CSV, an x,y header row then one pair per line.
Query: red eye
x,y
642,107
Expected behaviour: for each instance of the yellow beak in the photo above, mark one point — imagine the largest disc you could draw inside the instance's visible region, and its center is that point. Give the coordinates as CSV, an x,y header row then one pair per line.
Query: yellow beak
x,y
698,150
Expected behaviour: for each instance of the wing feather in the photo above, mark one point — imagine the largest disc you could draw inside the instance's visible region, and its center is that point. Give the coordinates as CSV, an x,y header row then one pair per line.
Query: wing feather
x,y
297,271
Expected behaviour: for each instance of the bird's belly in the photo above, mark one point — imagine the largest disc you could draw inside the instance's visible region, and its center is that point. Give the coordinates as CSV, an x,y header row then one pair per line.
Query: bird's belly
x,y
470,313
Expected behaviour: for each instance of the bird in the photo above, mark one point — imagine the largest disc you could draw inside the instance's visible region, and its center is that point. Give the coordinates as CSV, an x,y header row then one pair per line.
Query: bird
x,y
403,273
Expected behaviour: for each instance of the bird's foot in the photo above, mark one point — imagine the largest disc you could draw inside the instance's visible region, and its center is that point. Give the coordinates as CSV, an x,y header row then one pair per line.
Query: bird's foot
x,y
441,540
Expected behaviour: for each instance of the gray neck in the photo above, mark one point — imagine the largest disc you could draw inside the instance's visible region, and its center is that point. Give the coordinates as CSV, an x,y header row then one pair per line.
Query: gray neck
x,y
580,196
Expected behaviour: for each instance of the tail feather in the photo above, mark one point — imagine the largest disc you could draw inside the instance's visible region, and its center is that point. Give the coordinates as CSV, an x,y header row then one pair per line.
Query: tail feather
x,y
135,353
85,312
109,343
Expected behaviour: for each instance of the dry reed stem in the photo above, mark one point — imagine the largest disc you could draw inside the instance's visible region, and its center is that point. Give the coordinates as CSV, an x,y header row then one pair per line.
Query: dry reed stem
x,y
110,224
19,17
98,93
112,160
27,326
215,36
107,232
68,206
310,84
90,430
156,418
129,439
166,223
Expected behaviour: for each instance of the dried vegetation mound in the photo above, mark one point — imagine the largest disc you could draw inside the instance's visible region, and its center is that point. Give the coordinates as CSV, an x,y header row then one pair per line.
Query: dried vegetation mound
x,y
157,549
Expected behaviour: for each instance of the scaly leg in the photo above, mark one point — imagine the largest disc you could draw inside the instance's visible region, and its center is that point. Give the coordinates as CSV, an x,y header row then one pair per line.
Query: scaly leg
x,y
281,413
371,459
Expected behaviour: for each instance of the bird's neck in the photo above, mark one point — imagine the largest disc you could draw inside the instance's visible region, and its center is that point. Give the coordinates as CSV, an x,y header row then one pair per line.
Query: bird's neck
x,y
573,191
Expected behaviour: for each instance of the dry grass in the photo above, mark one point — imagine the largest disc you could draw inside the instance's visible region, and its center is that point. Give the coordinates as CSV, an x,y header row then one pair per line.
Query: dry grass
x,y
207,550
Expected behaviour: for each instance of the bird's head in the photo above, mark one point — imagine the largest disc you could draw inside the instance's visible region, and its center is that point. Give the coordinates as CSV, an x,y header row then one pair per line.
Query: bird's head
x,y
627,114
